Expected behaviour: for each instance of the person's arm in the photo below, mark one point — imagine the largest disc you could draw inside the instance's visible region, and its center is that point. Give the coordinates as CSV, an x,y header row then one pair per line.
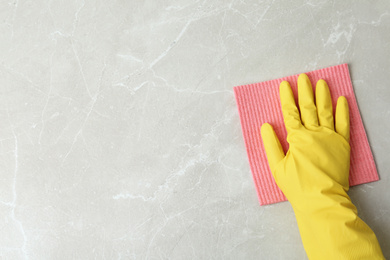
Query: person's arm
x,y
314,173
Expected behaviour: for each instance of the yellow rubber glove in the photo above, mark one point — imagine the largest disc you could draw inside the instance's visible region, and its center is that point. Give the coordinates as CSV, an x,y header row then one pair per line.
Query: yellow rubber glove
x,y
313,174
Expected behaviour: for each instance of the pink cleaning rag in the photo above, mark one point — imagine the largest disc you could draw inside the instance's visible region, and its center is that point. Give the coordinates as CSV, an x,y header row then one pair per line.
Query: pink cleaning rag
x,y
259,103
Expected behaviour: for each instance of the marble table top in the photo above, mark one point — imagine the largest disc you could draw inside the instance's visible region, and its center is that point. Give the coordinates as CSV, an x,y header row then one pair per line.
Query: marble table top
x,y
120,136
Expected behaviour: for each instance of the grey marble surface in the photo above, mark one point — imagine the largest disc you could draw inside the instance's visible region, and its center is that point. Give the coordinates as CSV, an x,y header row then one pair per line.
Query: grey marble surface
x,y
120,136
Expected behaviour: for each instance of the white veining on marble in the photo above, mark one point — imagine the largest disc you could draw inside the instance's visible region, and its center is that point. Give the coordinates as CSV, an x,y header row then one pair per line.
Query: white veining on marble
x,y
120,136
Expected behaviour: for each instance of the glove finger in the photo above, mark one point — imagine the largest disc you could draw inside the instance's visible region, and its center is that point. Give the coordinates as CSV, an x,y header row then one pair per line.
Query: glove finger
x,y
289,109
306,101
272,146
342,118
324,105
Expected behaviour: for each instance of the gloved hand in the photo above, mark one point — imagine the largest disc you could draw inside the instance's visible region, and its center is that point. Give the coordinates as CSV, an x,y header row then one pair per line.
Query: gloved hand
x,y
313,174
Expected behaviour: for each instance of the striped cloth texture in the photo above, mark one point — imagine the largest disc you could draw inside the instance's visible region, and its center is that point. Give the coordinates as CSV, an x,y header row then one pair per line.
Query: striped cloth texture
x,y
259,103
